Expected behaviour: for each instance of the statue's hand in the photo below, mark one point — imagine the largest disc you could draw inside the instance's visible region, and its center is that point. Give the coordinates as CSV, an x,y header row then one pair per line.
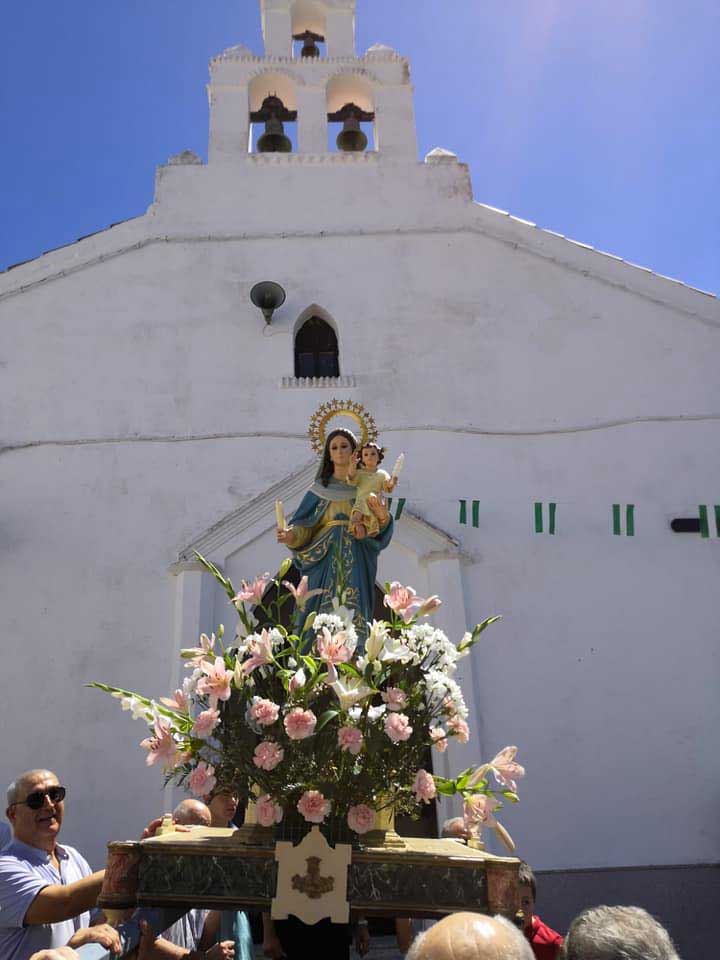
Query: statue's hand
x,y
378,506
359,531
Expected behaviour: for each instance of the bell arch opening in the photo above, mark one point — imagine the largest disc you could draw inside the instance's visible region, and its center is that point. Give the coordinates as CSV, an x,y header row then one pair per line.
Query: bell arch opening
x,y
350,113
273,102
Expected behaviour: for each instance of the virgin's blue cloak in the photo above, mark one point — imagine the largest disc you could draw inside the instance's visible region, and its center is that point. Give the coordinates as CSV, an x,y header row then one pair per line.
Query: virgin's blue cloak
x,y
335,559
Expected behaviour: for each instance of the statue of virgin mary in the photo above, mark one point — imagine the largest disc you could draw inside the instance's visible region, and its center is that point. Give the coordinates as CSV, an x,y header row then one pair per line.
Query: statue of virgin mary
x,y
336,556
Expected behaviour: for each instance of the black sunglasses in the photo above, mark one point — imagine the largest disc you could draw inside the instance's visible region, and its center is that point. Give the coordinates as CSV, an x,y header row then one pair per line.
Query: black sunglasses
x,y
36,799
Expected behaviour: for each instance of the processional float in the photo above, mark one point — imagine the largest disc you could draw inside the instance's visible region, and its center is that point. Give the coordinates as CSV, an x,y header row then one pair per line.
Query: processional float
x,y
326,719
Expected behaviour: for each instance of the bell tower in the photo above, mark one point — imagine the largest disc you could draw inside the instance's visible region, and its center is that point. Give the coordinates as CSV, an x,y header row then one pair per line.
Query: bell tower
x,y
310,93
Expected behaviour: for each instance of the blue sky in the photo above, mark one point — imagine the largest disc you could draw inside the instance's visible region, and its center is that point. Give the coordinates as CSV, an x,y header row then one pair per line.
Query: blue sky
x,y
599,120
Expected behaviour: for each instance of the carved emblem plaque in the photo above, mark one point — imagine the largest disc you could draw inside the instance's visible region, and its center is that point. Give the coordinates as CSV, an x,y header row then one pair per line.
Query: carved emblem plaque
x,y
312,880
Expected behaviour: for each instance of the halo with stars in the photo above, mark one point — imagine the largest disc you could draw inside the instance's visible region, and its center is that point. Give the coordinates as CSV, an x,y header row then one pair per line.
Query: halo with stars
x,y
326,412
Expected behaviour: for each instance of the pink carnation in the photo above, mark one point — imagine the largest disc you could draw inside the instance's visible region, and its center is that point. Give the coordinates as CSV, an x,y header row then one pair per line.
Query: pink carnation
x,y
395,698
397,727
267,811
424,786
439,739
202,780
350,739
448,706
361,818
313,806
264,712
268,755
300,724
460,728
205,723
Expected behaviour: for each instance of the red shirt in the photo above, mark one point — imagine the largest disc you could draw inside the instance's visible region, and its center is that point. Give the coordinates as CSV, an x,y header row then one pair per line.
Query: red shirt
x,y
545,942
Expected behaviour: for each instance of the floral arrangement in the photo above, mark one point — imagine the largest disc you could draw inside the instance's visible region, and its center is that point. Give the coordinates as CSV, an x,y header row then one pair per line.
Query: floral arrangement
x,y
315,722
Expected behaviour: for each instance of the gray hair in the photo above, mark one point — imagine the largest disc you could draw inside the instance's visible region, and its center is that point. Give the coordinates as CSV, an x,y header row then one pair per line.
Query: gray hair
x,y
617,933
16,787
454,828
514,945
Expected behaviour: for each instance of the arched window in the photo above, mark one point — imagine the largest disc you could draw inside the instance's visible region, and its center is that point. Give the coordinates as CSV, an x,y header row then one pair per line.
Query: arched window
x,y
316,350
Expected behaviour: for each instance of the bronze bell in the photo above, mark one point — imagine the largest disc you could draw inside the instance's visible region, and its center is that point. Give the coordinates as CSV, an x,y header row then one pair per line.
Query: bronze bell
x,y
272,113
351,138
310,48
274,139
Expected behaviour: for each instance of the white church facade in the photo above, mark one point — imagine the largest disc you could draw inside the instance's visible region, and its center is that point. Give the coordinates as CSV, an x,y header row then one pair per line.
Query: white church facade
x,y
557,407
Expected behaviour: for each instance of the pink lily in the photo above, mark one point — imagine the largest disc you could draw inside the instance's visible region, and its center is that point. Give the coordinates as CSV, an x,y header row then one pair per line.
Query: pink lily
x,y
428,606
260,648
162,746
504,769
252,593
335,649
300,592
216,683
203,652
405,602
178,701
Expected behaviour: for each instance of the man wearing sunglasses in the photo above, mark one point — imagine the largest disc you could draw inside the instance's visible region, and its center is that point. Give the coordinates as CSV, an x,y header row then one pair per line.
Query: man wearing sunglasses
x,y
46,890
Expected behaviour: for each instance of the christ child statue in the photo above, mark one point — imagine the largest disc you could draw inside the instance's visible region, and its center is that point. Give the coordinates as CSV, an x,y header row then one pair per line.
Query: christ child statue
x,y
369,481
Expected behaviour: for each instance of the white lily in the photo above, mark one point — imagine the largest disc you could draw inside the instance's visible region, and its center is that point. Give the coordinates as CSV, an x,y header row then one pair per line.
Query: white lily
x,y
343,612
377,636
348,690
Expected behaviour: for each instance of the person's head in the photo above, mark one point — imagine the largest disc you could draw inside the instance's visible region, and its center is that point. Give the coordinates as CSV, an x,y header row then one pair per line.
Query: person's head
x,y
528,893
192,813
371,456
35,808
454,828
471,936
339,448
223,803
617,933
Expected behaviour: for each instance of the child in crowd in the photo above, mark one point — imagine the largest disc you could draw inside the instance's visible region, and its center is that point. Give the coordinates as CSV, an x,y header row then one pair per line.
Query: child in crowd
x,y
545,942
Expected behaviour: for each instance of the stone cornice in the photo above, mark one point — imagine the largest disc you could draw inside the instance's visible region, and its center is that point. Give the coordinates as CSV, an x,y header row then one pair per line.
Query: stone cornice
x,y
495,224
307,63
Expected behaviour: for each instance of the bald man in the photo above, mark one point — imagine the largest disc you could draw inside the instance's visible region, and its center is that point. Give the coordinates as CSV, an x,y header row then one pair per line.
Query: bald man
x,y
192,813
471,936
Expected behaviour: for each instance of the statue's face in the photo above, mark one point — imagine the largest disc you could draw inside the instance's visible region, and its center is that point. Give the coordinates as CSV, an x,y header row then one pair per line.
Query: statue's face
x,y
340,451
370,458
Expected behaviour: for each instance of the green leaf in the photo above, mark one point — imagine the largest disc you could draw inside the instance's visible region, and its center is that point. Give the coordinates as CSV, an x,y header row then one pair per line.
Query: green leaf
x,y
448,788
349,669
211,568
325,719
310,664
512,797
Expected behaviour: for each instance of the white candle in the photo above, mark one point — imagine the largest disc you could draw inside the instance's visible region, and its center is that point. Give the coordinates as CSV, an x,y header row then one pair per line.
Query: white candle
x,y
279,515
397,469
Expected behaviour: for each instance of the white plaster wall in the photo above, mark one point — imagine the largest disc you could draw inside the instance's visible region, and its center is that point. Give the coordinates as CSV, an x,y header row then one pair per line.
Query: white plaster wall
x,y
141,403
